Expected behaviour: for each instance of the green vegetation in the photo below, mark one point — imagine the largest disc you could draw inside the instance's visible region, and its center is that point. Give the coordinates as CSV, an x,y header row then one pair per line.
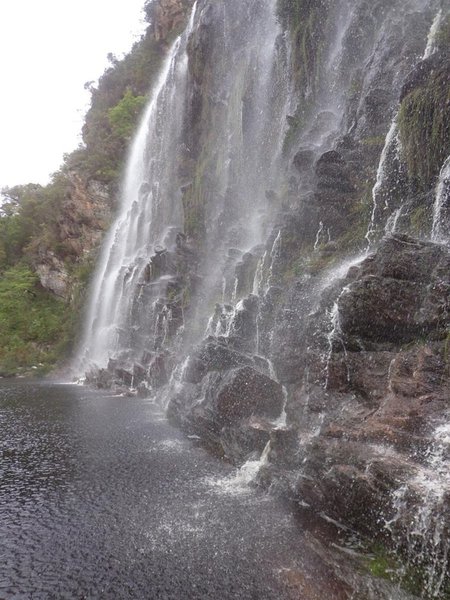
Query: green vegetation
x,y
29,222
116,104
391,565
123,116
306,22
377,140
443,36
34,325
383,564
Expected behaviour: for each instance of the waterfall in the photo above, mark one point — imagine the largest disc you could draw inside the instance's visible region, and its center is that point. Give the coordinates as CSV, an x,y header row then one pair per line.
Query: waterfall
x,y
150,208
128,312
440,231
389,166
431,40
423,519
391,152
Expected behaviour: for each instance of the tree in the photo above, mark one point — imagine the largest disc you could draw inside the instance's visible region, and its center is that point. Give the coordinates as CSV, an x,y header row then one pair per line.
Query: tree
x,y
124,116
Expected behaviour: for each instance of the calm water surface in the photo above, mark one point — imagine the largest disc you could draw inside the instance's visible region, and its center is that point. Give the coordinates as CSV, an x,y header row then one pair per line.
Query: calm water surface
x,y
101,498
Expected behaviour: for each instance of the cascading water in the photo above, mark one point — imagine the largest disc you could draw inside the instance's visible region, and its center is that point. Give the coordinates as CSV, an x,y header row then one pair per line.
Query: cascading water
x,y
384,216
227,260
117,321
390,154
426,532
440,231
128,310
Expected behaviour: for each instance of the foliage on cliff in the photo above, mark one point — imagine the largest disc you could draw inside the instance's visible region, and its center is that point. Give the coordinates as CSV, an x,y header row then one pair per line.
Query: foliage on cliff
x,y
34,325
30,218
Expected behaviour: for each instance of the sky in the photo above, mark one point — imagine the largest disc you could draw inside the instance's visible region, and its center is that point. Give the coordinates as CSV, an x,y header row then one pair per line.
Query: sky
x,y
48,50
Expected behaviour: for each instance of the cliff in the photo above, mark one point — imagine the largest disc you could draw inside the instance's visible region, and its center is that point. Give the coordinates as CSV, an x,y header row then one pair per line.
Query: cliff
x,y
278,271
297,309
54,232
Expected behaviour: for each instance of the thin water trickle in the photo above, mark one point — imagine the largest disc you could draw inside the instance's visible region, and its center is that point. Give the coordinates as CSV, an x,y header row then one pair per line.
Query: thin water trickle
x,y
440,231
428,541
391,148
384,217
432,35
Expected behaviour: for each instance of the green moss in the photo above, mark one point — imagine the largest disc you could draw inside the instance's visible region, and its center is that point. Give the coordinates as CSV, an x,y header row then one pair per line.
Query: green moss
x,y
383,565
194,203
443,36
319,261
297,122
359,218
424,122
418,220
377,140
306,22
391,565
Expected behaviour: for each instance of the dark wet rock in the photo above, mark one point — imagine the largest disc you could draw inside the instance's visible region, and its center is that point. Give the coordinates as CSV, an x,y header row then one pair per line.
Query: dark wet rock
x,y
402,295
377,104
421,73
213,355
139,374
234,253
245,274
124,375
157,371
362,412
303,160
226,410
245,392
332,172
285,448
247,439
244,327
100,378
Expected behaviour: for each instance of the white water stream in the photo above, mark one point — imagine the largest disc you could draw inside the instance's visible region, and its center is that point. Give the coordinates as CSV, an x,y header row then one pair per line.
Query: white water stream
x,y
149,208
440,231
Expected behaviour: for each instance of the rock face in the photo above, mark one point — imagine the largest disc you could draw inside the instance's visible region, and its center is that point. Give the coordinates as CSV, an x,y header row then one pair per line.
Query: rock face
x,y
83,219
86,216
227,398
400,296
53,275
168,15
369,396
330,317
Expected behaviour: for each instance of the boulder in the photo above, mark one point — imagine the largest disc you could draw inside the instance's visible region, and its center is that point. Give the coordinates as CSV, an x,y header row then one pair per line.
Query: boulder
x,y
213,355
401,295
245,392
332,172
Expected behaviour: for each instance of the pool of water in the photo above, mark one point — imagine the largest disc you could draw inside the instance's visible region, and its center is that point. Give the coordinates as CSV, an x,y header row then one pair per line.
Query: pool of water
x,y
101,498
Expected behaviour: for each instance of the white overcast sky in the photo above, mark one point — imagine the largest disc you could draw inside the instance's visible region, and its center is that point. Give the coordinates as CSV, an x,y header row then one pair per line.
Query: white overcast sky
x,y
48,50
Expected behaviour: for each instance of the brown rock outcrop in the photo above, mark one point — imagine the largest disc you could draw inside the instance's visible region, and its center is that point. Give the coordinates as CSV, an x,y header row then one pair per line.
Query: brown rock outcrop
x,y
168,15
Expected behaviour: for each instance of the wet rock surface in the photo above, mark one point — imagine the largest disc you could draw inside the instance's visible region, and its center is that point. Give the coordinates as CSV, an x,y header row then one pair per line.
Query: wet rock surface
x,y
368,398
350,346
